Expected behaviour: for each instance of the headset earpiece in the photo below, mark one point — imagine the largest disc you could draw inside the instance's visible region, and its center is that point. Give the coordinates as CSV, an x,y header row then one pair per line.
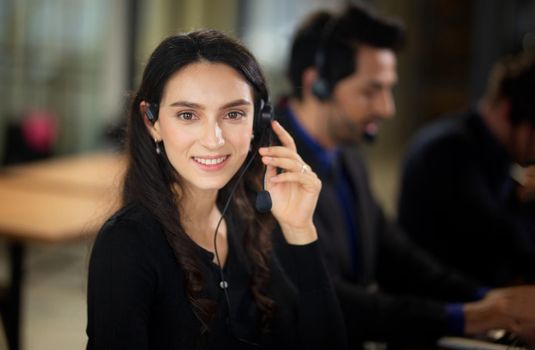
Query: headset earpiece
x,y
152,112
321,89
263,118
266,116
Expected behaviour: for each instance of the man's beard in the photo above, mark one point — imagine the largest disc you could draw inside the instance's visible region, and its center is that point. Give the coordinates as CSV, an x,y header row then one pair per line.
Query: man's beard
x,y
348,132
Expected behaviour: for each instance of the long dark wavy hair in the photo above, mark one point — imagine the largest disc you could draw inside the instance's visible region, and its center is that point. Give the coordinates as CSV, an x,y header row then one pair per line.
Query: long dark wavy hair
x,y
151,180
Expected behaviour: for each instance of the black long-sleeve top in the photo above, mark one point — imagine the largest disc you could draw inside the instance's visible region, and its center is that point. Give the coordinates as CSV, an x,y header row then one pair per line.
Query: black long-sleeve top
x,y
137,299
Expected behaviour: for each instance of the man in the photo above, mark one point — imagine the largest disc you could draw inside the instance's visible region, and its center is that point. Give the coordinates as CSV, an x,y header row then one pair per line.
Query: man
x,y
458,198
342,68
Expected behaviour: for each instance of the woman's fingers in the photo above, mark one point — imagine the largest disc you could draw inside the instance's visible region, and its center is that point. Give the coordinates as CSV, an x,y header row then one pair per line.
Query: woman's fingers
x,y
271,171
307,179
283,135
279,151
287,164
294,171
286,158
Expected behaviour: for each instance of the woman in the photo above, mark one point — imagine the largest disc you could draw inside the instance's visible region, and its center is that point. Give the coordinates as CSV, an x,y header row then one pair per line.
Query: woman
x,y
188,263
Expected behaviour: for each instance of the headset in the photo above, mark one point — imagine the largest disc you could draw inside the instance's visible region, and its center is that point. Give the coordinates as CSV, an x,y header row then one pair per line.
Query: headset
x,y
151,112
334,60
262,127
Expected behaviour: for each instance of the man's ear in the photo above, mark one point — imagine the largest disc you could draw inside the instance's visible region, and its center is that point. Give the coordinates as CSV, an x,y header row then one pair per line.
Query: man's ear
x,y
153,129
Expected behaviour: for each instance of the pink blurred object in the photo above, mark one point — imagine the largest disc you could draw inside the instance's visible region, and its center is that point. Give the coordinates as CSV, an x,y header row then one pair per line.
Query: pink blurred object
x,y
39,129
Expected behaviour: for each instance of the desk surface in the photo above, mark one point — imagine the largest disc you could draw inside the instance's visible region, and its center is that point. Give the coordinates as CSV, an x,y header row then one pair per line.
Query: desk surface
x,y
59,199
80,173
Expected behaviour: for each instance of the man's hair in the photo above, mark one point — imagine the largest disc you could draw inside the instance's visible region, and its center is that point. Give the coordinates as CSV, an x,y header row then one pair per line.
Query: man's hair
x,y
322,33
513,79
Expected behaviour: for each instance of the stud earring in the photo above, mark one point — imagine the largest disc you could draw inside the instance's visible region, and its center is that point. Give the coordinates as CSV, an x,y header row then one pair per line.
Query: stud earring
x,y
158,149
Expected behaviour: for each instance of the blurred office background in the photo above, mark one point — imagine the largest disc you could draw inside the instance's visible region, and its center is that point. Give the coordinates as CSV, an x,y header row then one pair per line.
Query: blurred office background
x,y
75,62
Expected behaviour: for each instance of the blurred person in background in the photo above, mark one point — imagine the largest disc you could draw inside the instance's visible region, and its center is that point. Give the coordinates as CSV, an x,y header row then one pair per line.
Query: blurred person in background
x,y
467,193
342,69
187,263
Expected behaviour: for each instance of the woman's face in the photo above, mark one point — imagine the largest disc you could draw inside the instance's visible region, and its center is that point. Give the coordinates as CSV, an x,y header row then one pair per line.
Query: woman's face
x,y
205,122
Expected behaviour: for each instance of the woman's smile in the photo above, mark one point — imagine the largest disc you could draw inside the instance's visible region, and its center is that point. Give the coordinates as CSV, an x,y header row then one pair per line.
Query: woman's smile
x,y
211,163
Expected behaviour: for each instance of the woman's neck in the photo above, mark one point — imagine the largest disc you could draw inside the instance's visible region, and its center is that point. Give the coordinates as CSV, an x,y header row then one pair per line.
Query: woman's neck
x,y
199,216
197,206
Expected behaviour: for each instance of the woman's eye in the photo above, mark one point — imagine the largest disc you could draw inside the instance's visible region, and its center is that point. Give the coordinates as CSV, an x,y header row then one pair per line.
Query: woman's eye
x,y
235,115
186,116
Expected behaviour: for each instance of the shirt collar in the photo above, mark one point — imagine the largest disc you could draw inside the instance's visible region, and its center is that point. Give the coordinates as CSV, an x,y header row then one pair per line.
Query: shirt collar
x,y
326,158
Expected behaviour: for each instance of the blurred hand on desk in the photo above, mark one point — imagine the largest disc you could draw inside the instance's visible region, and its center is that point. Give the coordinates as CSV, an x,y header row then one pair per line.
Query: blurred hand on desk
x,y
511,308
526,180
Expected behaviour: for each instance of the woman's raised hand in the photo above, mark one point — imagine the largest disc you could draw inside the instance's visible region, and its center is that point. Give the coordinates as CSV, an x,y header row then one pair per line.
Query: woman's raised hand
x,y
294,192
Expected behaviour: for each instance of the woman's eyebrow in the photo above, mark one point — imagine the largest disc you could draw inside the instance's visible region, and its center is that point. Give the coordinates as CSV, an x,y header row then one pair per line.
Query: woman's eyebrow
x,y
236,103
187,104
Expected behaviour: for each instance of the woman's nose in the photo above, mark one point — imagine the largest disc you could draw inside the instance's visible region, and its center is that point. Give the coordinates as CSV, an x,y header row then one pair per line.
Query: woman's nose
x,y
212,137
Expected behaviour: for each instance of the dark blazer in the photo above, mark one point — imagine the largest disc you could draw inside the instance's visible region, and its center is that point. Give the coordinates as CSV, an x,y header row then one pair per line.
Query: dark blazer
x,y
456,201
398,293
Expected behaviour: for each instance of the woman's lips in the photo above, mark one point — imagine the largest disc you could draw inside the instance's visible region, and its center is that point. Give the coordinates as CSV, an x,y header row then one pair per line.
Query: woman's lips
x,y
211,163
